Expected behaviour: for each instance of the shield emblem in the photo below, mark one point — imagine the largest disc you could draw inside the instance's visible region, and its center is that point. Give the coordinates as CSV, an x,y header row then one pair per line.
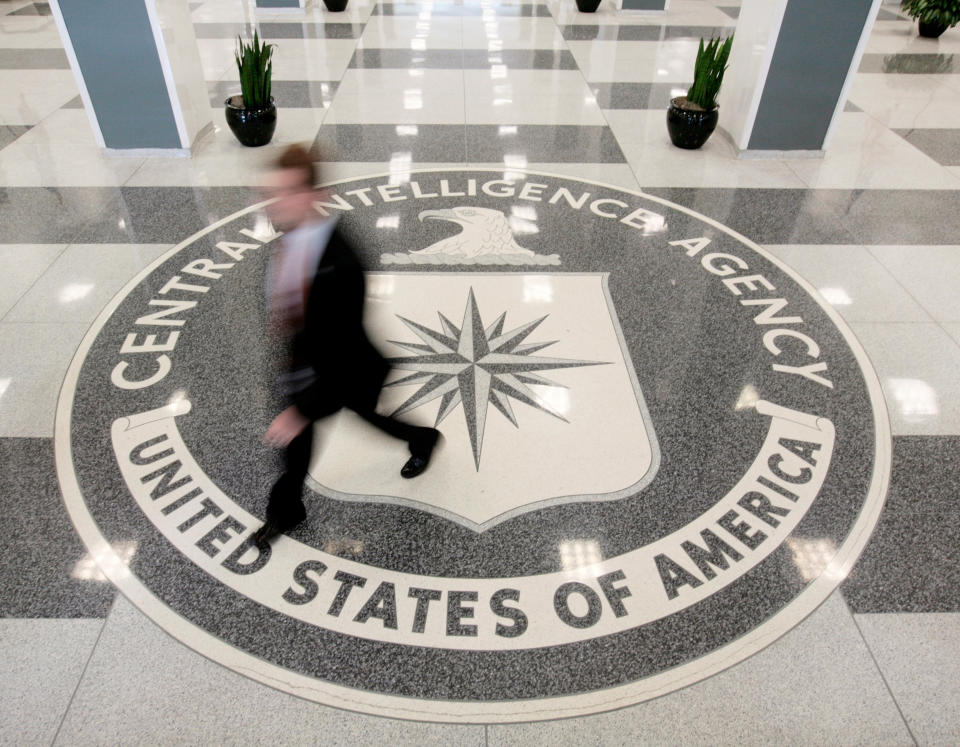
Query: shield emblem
x,y
528,378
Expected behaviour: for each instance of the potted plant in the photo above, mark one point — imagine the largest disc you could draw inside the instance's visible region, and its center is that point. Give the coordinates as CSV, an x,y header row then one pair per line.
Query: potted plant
x,y
935,16
252,114
588,6
335,6
691,119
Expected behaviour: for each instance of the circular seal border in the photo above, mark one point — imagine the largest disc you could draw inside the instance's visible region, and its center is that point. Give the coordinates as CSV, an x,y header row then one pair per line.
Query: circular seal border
x,y
392,706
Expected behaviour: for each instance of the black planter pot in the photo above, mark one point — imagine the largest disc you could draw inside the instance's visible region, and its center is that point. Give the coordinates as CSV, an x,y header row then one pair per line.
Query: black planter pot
x,y
335,6
688,128
931,30
588,6
252,127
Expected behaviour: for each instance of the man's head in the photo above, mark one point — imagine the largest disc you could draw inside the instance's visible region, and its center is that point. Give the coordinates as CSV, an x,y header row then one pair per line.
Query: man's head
x,y
292,181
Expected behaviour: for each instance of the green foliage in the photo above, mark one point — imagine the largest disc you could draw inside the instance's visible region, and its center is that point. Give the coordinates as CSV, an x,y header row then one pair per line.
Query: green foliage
x,y
943,12
256,69
708,72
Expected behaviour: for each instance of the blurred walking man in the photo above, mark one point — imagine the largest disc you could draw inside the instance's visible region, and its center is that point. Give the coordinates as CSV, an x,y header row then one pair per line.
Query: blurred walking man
x,y
316,298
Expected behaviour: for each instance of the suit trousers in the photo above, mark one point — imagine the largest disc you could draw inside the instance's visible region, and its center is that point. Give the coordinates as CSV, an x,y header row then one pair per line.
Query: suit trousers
x,y
285,507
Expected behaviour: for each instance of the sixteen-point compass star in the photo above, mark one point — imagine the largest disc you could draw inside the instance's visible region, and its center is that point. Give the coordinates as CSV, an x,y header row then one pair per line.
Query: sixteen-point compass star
x,y
477,366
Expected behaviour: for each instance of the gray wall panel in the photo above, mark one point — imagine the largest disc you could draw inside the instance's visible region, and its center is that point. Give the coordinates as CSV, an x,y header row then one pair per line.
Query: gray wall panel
x,y
644,4
814,50
118,58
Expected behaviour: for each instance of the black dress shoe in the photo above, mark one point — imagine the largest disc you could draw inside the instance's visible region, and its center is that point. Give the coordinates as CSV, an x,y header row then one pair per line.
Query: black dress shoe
x,y
261,538
414,466
418,463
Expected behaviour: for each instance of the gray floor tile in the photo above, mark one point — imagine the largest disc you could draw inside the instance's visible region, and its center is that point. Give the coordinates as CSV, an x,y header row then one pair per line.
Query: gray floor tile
x,y
767,216
942,145
46,571
162,215
917,655
143,687
912,562
930,273
75,103
296,94
40,665
520,10
49,215
33,59
888,15
637,95
22,266
9,133
732,11
33,9
438,143
816,685
548,143
294,30
910,64
81,281
466,59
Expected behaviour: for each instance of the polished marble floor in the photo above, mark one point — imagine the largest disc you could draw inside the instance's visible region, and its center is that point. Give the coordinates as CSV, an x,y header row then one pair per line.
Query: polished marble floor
x,y
460,87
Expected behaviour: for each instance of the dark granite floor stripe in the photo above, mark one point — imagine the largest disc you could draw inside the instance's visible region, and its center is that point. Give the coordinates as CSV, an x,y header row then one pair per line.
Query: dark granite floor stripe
x,y
466,59
912,562
474,143
33,59
828,216
637,95
773,216
942,145
911,64
9,133
46,570
33,9
889,15
280,30
293,94
525,10
613,32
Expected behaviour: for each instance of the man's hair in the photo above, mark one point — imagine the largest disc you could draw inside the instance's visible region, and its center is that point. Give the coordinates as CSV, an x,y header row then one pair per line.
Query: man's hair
x,y
297,157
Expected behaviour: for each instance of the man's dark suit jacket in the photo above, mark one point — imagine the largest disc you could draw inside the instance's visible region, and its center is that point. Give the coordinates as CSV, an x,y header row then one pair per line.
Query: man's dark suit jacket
x,y
349,370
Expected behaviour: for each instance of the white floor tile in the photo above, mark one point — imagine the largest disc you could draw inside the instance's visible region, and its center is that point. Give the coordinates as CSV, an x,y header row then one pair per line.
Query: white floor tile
x,y
81,281
853,282
31,95
40,666
376,83
414,104
905,101
930,273
816,685
33,361
512,33
917,654
143,687
863,154
22,265
917,365
952,329
658,163
637,61
410,32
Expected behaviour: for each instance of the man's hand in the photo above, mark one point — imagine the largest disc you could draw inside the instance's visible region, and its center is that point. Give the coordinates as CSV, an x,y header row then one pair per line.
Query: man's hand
x,y
285,427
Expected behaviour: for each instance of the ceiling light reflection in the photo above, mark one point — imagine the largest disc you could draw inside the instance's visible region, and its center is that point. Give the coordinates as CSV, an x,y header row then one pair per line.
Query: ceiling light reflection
x,y
813,558
74,292
916,399
577,554
537,289
748,398
388,221
4,385
836,296
115,559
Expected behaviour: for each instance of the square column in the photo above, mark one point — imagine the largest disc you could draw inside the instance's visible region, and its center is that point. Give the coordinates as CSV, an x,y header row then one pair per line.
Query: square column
x,y
139,73
789,72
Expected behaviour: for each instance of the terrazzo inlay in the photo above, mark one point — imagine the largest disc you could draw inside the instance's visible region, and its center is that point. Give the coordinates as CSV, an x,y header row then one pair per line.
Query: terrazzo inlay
x,y
668,451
